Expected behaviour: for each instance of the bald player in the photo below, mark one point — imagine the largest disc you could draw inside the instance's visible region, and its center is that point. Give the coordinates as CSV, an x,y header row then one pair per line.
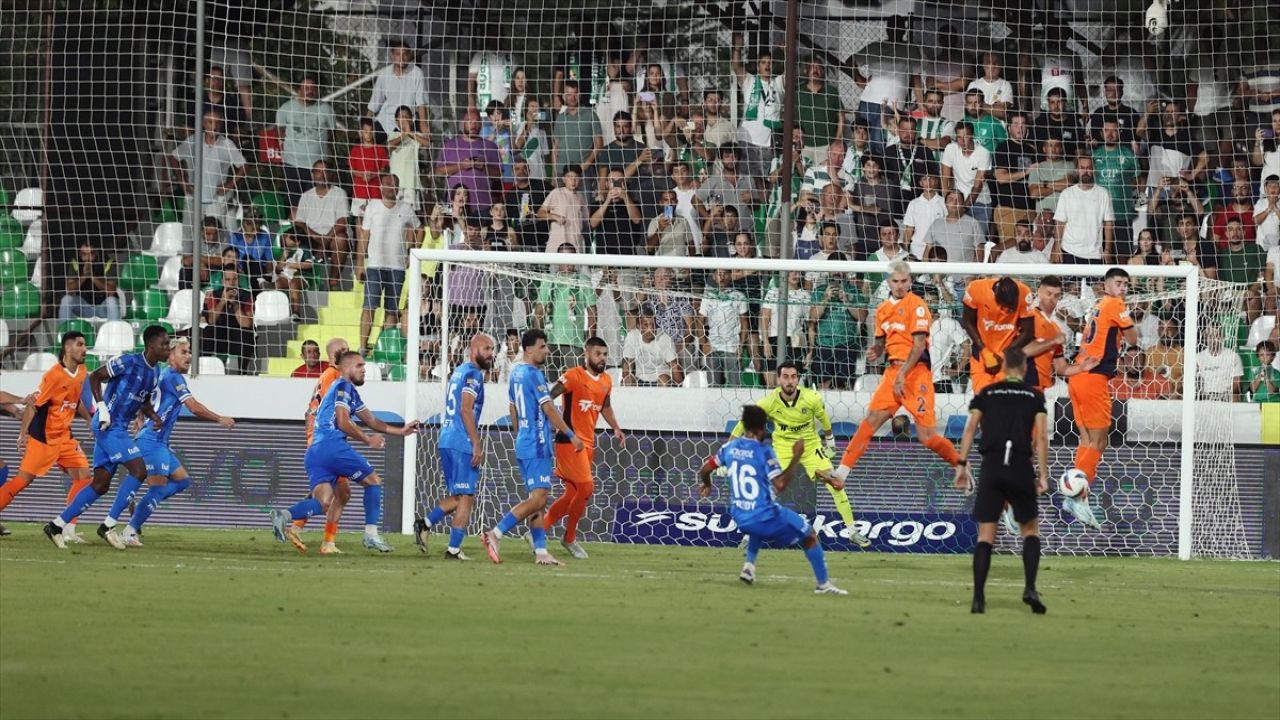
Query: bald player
x,y
902,332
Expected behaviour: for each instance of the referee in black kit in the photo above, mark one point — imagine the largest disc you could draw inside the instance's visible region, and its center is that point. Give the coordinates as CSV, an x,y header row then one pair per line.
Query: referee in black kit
x,y
1013,418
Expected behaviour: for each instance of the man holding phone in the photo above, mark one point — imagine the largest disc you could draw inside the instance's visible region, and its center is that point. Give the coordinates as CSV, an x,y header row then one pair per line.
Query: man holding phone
x,y
631,157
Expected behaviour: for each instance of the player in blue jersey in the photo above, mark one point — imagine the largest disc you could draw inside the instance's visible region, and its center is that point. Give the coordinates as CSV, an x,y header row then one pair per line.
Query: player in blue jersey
x,y
331,456
461,451
533,417
165,475
754,475
130,380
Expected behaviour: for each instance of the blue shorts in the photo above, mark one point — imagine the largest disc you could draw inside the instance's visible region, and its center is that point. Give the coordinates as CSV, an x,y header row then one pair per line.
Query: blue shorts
x,y
786,527
113,447
327,462
536,473
160,459
459,477
382,284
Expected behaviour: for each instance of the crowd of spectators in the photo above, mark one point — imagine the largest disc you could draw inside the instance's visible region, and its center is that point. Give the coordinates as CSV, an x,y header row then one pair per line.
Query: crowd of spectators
x,y
956,161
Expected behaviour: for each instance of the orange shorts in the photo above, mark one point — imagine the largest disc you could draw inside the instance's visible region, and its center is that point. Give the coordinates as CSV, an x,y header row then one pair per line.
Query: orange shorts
x,y
1090,395
917,394
980,378
40,458
573,466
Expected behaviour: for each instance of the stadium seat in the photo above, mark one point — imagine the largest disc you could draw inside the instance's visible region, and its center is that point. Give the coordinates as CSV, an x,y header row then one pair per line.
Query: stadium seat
x,y
867,383
170,274
138,273
955,426
79,325
4,334
40,361
34,240
372,372
616,374
843,429
270,308
167,240
115,337
10,233
13,266
212,365
19,300
696,379
390,346
271,208
148,304
28,206
1260,330
180,309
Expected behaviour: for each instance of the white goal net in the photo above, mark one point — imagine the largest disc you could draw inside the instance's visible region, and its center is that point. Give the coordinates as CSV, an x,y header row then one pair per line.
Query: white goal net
x,y
678,401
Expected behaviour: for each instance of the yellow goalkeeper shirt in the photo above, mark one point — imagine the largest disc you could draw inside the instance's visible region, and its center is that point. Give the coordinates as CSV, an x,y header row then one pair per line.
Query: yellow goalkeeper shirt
x,y
793,420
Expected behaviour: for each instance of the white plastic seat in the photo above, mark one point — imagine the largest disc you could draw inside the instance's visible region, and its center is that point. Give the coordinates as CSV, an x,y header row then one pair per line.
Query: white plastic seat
x,y
212,365
616,374
696,379
40,361
180,309
270,308
28,205
114,338
372,372
1260,330
4,334
867,383
167,240
170,273
33,240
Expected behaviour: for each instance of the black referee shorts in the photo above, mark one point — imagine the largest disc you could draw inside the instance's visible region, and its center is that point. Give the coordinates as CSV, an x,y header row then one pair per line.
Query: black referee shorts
x,y
998,483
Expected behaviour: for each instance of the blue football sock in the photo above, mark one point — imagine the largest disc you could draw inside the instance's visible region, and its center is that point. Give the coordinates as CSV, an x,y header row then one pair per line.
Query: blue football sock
x,y
507,522
79,504
455,537
435,516
128,487
4,474
818,561
173,487
306,509
372,504
146,506
539,536
753,547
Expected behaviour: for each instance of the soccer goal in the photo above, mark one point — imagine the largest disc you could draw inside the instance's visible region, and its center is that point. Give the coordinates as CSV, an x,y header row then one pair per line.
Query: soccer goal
x,y
1168,482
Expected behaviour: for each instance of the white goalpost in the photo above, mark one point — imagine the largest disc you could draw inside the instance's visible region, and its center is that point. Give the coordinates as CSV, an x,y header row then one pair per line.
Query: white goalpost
x,y
1168,488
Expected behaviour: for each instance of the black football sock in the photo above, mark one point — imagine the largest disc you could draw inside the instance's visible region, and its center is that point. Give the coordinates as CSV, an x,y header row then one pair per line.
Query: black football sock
x,y
1031,559
981,565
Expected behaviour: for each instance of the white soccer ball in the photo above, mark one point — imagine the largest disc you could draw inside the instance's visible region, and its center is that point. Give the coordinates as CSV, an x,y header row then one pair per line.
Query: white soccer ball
x,y
1073,482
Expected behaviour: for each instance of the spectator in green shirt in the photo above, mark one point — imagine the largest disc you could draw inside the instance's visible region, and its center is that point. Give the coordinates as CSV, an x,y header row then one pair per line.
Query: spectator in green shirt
x,y
1117,170
1264,380
837,327
818,111
988,130
1242,262
566,311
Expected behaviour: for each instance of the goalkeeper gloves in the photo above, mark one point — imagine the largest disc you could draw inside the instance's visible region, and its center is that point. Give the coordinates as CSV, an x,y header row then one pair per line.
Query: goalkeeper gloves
x,y
829,447
104,417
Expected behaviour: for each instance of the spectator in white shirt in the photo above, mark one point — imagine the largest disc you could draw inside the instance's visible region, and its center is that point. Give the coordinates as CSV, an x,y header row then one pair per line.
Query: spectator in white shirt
x,y
957,233
921,214
965,167
724,329
1218,368
321,219
649,356
995,89
1084,219
387,231
398,84
223,168
1024,250
1266,214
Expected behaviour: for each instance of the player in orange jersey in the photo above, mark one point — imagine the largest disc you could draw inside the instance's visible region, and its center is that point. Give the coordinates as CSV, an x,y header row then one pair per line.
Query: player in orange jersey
x,y
902,331
1090,391
586,390
45,434
997,316
1045,359
12,405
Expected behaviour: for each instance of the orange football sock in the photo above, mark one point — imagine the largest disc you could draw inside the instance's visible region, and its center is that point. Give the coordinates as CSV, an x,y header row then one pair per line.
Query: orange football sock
x,y
1087,459
577,509
300,523
330,531
858,445
10,489
943,448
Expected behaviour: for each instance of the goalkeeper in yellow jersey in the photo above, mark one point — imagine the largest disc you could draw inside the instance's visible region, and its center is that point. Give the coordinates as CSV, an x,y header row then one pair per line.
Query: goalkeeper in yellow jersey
x,y
794,410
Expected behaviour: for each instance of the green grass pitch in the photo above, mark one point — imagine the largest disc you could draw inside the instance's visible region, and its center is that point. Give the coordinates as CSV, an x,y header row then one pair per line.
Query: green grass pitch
x,y
209,624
